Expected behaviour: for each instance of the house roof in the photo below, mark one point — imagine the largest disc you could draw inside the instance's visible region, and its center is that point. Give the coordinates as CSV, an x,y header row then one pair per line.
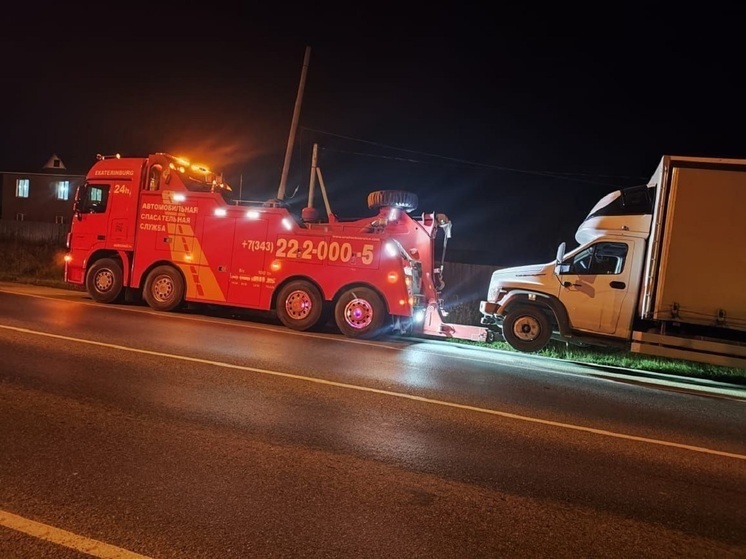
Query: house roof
x,y
54,163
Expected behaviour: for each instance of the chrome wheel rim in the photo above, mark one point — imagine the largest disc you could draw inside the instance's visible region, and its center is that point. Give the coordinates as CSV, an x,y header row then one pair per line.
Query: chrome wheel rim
x,y
163,289
298,305
104,281
358,313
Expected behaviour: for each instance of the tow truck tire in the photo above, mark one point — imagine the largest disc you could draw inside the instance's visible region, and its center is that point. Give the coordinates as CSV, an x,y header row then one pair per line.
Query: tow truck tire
x,y
299,305
104,281
527,328
164,289
392,199
360,313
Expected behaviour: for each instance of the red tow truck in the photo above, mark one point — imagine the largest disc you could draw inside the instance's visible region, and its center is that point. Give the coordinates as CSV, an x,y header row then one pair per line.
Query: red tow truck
x,y
167,230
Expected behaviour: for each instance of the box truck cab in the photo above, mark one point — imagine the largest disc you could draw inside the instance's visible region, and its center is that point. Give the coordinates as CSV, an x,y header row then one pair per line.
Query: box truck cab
x,y
589,291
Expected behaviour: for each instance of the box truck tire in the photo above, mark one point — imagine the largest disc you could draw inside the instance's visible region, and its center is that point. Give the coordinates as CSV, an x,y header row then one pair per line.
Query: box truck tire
x,y
527,328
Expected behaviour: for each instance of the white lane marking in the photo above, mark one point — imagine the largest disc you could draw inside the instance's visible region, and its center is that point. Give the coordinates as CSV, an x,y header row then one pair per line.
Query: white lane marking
x,y
49,533
384,393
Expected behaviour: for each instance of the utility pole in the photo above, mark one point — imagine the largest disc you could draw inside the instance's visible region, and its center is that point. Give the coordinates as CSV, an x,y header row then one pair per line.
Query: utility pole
x,y
293,126
316,173
314,165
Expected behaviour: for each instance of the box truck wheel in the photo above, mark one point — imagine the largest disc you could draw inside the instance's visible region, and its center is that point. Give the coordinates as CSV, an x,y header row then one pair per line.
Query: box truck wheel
x,y
104,281
527,328
299,305
164,289
360,313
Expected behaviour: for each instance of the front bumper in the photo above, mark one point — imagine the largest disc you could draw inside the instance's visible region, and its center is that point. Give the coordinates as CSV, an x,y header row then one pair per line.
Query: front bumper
x,y
487,308
74,274
490,316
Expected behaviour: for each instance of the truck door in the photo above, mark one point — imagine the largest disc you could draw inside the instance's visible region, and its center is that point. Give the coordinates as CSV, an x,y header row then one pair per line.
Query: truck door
x,y
104,215
92,216
595,284
247,275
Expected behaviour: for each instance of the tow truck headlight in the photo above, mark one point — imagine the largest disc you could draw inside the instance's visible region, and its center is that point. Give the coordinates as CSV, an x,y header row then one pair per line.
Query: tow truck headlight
x,y
419,316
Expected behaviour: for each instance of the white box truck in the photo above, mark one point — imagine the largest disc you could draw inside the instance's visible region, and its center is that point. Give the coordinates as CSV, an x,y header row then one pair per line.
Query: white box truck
x,y
660,269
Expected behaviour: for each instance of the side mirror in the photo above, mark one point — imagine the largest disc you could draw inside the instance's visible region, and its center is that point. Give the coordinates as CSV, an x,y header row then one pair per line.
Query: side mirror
x,y
558,259
560,252
81,194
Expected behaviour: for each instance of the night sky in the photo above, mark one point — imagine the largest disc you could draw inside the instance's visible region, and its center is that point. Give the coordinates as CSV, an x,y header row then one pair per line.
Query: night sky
x,y
513,123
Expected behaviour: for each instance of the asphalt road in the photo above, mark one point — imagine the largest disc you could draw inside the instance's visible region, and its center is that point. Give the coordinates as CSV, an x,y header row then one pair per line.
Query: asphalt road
x,y
129,433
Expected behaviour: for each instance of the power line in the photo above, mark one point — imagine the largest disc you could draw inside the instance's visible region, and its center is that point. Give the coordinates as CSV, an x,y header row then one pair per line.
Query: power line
x,y
548,174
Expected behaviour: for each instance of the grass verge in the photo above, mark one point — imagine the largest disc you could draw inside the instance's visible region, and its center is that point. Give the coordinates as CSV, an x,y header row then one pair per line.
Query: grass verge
x,y
628,360
469,314
32,263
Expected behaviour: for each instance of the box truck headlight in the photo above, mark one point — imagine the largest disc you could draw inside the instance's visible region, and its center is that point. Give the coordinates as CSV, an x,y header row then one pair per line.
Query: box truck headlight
x,y
496,293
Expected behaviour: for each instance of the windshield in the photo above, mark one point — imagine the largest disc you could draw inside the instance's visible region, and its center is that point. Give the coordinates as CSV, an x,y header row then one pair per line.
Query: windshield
x,y
635,200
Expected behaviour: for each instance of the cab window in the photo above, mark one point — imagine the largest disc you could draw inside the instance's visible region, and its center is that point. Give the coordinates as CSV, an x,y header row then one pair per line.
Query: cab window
x,y
597,259
96,198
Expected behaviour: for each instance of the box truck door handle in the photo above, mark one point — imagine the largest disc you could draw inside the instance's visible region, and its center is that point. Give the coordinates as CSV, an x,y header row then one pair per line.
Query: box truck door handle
x,y
100,237
618,284
568,284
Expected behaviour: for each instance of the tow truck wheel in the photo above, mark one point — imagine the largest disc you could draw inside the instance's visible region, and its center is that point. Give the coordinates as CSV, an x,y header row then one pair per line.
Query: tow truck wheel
x,y
392,199
104,281
299,305
360,313
164,289
527,328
